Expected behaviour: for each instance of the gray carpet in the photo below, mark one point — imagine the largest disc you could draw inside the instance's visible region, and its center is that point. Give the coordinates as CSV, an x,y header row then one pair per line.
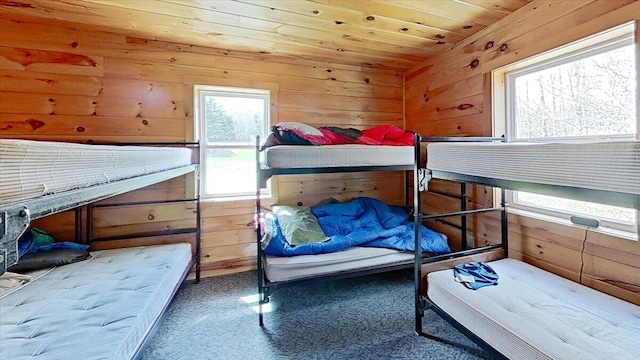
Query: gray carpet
x,y
369,317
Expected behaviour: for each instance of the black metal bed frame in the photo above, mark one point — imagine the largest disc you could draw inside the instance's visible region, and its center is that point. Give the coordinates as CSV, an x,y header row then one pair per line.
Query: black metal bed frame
x,y
422,176
16,217
266,287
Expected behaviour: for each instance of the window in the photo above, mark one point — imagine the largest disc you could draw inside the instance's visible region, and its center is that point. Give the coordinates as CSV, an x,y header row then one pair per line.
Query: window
x,y
584,92
228,121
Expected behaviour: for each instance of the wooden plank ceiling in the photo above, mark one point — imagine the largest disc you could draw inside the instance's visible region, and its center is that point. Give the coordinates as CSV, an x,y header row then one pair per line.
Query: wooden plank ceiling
x,y
393,34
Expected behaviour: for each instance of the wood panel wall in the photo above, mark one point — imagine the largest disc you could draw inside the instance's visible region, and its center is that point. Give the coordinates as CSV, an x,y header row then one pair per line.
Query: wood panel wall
x,y
70,82
451,95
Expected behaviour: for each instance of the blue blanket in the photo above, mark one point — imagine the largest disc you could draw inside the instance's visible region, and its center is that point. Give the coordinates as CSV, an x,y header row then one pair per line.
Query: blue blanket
x,y
360,222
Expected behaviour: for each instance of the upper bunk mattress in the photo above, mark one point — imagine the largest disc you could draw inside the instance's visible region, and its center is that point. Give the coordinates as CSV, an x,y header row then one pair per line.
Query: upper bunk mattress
x,y
609,166
35,168
299,156
100,308
534,314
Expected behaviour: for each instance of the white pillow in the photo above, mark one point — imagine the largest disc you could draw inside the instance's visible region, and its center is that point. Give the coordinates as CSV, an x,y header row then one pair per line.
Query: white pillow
x,y
300,127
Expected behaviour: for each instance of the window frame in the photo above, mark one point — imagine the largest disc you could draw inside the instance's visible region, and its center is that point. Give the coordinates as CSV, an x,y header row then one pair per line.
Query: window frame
x,y
511,76
202,91
503,111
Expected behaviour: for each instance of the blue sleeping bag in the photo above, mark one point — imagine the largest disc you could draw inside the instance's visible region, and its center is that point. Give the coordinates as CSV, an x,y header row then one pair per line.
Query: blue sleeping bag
x,y
360,222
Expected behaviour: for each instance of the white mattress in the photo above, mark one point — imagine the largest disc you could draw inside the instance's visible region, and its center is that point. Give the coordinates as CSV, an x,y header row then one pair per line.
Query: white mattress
x,y
302,266
101,308
298,156
533,314
612,166
34,168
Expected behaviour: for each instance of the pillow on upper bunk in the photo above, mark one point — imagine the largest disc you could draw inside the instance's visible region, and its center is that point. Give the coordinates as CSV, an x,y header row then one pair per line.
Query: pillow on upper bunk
x,y
290,133
298,224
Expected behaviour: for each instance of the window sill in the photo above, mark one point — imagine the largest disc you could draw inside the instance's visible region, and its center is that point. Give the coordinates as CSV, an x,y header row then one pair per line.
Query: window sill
x,y
623,235
233,198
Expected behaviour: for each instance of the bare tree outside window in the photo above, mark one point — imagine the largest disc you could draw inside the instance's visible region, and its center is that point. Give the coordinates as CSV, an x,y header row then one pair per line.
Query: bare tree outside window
x,y
593,96
584,97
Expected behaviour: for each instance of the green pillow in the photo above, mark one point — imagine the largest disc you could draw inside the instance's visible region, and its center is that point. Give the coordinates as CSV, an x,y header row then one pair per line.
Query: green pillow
x,y
298,224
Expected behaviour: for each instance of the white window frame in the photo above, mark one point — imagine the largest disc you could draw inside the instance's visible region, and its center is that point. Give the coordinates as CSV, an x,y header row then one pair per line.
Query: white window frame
x,y
200,92
502,111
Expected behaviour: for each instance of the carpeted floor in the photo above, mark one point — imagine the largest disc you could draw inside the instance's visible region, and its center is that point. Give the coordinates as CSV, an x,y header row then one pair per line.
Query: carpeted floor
x,y
369,317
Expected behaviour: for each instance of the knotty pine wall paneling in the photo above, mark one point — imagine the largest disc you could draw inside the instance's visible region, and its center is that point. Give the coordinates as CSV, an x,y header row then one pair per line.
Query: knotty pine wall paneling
x,y
450,95
62,81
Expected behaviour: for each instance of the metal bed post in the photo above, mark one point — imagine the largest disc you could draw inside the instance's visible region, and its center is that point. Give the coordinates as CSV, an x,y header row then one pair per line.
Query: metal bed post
x,y
421,183
198,216
407,190
89,224
417,216
463,218
504,222
78,220
258,236
80,224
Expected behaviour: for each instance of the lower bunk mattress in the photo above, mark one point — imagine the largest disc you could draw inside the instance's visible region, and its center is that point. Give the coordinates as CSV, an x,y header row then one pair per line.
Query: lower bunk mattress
x,y
534,314
31,169
279,268
102,308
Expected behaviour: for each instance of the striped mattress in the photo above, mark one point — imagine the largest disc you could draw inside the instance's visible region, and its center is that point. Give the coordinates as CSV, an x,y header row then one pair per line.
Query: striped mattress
x,y
31,169
298,156
608,166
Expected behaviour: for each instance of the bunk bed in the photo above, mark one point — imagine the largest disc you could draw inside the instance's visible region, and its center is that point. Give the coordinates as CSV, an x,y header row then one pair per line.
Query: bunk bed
x,y
532,313
278,271
109,305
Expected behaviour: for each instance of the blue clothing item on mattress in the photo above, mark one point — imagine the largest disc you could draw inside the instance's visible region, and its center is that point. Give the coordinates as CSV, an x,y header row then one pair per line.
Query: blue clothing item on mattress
x,y
37,240
475,275
360,222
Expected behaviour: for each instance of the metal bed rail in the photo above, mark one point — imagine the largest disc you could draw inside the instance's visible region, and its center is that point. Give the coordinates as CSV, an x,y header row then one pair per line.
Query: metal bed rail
x,y
195,229
422,177
15,218
266,287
